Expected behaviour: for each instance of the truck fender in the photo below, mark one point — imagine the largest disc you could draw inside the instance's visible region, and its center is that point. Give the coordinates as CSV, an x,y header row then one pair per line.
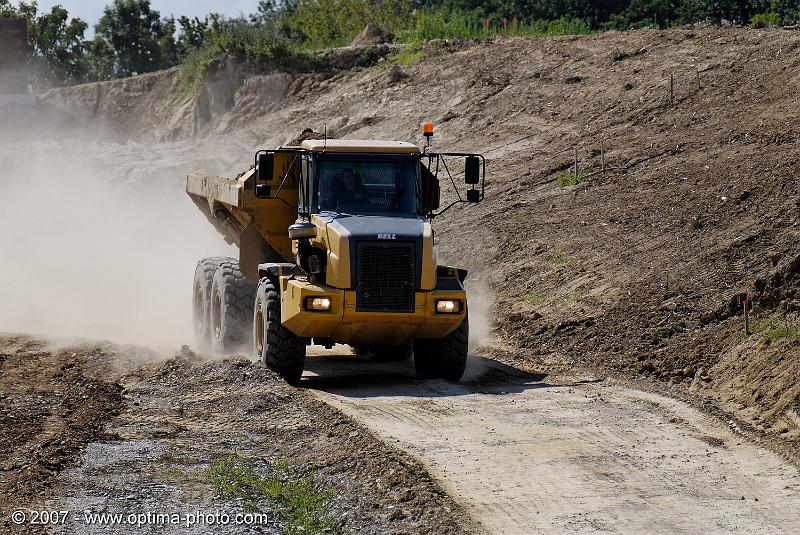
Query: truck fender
x,y
274,270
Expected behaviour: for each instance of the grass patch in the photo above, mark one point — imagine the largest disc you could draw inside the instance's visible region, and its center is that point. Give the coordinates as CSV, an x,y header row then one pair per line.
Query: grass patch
x,y
557,257
774,330
570,179
534,298
299,501
406,57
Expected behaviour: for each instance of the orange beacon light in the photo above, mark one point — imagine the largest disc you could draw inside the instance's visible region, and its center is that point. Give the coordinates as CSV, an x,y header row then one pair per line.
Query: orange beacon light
x,y
427,129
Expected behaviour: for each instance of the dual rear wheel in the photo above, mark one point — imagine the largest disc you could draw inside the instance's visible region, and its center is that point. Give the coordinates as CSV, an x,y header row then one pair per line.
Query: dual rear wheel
x,y
222,304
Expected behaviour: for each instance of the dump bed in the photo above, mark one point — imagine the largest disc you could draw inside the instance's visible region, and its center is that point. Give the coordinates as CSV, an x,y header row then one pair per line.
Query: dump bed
x,y
259,227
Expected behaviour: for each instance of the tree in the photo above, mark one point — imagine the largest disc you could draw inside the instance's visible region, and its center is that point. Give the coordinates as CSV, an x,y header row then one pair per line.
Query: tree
x,y
136,38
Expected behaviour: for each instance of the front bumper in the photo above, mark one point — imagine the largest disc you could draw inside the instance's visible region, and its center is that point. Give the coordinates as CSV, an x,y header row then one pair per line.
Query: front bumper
x,y
345,325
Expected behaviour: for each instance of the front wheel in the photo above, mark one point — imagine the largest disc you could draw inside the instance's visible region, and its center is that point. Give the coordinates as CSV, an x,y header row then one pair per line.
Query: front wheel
x,y
277,347
444,357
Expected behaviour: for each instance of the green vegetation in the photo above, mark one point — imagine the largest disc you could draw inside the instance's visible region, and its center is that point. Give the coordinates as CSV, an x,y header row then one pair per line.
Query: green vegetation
x,y
534,298
764,20
236,40
558,257
406,56
778,329
133,38
302,505
570,179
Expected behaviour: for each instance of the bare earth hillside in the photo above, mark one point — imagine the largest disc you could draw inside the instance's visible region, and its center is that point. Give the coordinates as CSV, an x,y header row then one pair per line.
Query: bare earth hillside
x,y
640,269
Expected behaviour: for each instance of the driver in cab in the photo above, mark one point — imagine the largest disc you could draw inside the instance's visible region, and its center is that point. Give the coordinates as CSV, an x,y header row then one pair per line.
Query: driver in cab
x,y
349,189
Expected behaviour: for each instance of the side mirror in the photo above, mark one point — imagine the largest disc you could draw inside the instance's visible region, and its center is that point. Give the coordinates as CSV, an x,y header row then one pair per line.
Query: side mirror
x,y
266,166
263,191
473,195
472,170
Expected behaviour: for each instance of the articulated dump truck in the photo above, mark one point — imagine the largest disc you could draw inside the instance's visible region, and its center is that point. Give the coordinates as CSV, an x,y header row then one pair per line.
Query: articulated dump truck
x,y
335,246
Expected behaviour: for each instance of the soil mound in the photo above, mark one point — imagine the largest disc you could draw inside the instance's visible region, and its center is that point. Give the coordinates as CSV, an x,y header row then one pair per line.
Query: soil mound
x,y
372,35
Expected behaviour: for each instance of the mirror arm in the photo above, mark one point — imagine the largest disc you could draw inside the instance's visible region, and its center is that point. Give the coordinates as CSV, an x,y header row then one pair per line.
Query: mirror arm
x,y
289,170
452,180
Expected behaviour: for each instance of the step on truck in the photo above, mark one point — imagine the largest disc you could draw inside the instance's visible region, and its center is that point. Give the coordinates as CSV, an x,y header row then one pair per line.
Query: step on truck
x,y
336,247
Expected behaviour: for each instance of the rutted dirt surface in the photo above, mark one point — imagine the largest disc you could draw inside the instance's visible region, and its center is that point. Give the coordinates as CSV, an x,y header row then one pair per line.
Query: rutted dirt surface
x,y
50,408
537,454
133,437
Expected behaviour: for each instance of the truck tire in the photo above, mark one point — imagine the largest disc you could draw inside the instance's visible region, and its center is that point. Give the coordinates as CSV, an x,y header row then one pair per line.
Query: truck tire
x,y
231,302
277,347
386,353
201,301
445,357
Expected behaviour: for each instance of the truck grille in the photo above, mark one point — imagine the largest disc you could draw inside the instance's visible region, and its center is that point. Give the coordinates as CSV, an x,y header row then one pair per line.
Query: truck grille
x,y
385,277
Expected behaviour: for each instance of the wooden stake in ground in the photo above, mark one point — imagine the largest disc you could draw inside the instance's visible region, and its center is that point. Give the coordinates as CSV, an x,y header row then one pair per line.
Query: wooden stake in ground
x,y
603,158
671,88
576,161
745,304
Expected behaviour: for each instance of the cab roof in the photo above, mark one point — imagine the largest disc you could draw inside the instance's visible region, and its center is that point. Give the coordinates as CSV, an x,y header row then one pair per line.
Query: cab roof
x,y
360,146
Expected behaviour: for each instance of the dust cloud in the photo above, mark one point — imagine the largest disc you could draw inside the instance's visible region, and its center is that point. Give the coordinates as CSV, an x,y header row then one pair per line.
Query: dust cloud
x,y
98,239
481,311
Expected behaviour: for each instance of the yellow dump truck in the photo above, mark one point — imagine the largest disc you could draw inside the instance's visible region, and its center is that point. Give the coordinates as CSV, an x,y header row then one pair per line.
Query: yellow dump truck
x,y
335,246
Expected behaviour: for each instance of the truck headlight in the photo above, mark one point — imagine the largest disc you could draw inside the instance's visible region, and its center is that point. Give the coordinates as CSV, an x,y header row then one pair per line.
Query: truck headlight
x,y
319,304
448,306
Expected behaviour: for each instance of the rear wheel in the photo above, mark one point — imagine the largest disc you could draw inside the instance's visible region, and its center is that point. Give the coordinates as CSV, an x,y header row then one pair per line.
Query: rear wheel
x,y
445,357
231,302
201,300
277,347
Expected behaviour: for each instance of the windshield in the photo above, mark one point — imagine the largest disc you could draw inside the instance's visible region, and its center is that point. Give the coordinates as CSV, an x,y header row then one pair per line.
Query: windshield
x,y
367,186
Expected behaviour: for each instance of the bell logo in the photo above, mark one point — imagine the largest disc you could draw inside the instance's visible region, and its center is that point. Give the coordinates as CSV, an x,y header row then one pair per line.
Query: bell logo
x,y
387,236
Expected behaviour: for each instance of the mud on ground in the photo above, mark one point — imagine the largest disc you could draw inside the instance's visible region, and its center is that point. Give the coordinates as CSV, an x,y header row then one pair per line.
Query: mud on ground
x,y
167,421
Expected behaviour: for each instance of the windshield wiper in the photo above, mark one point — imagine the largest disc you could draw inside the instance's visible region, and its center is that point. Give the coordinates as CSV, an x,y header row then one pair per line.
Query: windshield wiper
x,y
336,212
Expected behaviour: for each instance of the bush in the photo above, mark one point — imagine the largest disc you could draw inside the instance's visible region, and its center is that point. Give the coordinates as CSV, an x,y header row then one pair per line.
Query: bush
x,y
329,23
764,20
237,40
440,24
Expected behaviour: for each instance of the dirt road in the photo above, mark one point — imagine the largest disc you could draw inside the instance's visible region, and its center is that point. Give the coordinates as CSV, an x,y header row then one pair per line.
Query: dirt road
x,y
527,454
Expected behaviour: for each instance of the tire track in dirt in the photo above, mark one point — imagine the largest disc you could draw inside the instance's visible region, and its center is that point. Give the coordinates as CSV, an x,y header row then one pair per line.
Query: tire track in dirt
x,y
527,454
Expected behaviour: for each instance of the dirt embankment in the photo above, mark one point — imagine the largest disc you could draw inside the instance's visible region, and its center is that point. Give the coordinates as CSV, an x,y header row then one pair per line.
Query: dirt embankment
x,y
640,269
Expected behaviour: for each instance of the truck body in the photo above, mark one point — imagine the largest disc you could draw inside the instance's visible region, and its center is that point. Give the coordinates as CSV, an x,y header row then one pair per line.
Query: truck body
x,y
335,246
